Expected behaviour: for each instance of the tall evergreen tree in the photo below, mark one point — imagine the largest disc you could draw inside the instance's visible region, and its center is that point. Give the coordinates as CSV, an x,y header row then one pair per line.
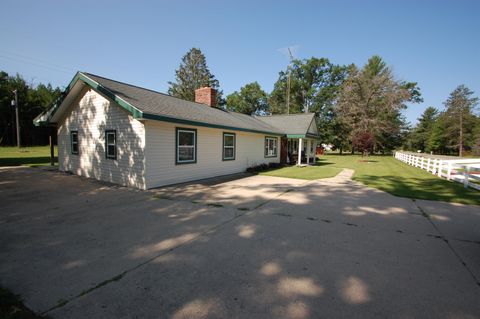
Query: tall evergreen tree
x,y
438,139
459,110
420,135
192,74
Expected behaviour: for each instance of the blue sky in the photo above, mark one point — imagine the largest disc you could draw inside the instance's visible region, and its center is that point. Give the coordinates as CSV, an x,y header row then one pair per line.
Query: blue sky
x,y
436,43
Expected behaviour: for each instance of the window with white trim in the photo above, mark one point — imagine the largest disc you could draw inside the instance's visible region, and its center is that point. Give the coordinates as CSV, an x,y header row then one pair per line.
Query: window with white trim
x,y
271,146
228,146
74,142
111,144
186,148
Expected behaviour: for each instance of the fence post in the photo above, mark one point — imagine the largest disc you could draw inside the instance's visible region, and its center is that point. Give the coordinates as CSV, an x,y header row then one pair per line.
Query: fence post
x,y
449,170
466,173
440,164
428,164
421,163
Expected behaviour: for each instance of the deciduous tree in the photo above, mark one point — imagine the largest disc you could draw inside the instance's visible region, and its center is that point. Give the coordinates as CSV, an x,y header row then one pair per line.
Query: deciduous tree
x,y
371,100
32,100
250,100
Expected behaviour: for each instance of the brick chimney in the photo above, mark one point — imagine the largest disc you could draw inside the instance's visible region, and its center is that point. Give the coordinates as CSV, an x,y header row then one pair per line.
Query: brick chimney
x,y
206,95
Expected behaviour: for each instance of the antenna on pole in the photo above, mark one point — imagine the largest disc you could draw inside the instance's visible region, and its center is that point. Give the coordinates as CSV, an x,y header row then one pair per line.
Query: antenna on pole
x,y
288,80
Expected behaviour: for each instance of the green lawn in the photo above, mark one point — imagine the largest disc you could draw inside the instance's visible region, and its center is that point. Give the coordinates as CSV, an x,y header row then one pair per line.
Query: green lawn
x,y
387,174
29,156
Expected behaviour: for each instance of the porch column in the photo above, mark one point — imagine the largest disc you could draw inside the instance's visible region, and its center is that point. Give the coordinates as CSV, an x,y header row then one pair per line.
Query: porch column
x,y
300,148
308,151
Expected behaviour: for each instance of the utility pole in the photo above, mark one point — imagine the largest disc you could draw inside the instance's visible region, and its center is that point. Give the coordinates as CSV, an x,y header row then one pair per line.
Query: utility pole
x,y
288,81
15,102
288,91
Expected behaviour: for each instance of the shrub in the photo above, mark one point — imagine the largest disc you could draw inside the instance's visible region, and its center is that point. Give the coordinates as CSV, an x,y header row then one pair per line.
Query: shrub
x,y
263,167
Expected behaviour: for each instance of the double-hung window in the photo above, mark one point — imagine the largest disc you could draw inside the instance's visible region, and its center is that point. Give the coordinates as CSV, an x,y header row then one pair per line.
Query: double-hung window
x,y
271,146
186,146
228,146
111,144
74,142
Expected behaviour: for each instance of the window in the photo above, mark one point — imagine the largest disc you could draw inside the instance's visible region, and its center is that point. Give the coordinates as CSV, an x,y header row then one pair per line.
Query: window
x,y
111,144
228,146
74,142
270,146
186,151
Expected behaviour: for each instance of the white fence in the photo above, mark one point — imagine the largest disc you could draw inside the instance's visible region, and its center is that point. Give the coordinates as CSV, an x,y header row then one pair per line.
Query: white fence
x,y
464,171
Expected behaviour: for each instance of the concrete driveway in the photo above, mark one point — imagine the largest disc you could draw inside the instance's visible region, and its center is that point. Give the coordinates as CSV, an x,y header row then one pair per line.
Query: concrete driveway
x,y
255,247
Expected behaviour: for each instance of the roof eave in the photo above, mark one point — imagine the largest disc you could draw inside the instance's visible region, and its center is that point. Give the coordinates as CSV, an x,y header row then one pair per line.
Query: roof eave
x,y
169,119
45,118
313,136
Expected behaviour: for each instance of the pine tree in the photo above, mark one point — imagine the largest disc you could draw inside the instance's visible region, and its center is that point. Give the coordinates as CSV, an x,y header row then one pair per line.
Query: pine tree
x,y
192,74
421,133
459,110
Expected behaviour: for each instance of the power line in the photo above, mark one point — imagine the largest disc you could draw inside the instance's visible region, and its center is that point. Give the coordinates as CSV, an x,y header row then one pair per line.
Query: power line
x,y
35,62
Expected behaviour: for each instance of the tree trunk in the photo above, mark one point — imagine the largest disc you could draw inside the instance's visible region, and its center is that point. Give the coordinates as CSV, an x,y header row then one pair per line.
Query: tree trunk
x,y
460,142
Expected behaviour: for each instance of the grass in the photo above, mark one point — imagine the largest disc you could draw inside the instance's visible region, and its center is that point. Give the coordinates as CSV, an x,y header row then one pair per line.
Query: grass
x,y
11,307
307,172
387,174
27,156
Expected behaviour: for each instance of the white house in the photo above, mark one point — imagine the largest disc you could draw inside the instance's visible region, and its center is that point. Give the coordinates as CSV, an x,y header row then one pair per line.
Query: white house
x,y
136,137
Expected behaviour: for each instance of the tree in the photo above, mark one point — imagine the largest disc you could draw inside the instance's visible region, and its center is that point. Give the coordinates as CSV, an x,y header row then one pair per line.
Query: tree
x,y
364,142
32,101
438,139
459,110
315,83
314,87
371,100
250,100
420,135
192,74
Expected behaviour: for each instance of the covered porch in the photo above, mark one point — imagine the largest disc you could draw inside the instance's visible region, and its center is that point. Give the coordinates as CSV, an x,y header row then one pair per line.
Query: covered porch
x,y
301,150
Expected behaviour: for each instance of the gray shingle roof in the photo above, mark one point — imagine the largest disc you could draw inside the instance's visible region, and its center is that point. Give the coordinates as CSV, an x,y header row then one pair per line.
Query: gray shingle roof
x,y
156,103
294,124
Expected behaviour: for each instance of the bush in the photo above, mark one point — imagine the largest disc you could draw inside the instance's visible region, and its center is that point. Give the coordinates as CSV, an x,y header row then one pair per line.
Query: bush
x,y
263,167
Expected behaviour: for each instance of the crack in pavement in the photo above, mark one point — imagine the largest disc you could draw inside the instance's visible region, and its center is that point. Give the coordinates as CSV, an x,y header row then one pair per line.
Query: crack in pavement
x,y
442,236
118,277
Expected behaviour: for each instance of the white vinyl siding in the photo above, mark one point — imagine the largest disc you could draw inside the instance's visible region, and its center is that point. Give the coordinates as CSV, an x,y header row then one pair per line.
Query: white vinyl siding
x,y
161,168
91,115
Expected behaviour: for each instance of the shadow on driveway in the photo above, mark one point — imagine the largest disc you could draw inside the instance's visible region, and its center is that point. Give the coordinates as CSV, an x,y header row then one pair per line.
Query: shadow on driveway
x,y
269,248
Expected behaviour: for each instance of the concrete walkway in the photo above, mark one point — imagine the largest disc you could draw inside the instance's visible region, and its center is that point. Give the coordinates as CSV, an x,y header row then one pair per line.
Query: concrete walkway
x,y
256,247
